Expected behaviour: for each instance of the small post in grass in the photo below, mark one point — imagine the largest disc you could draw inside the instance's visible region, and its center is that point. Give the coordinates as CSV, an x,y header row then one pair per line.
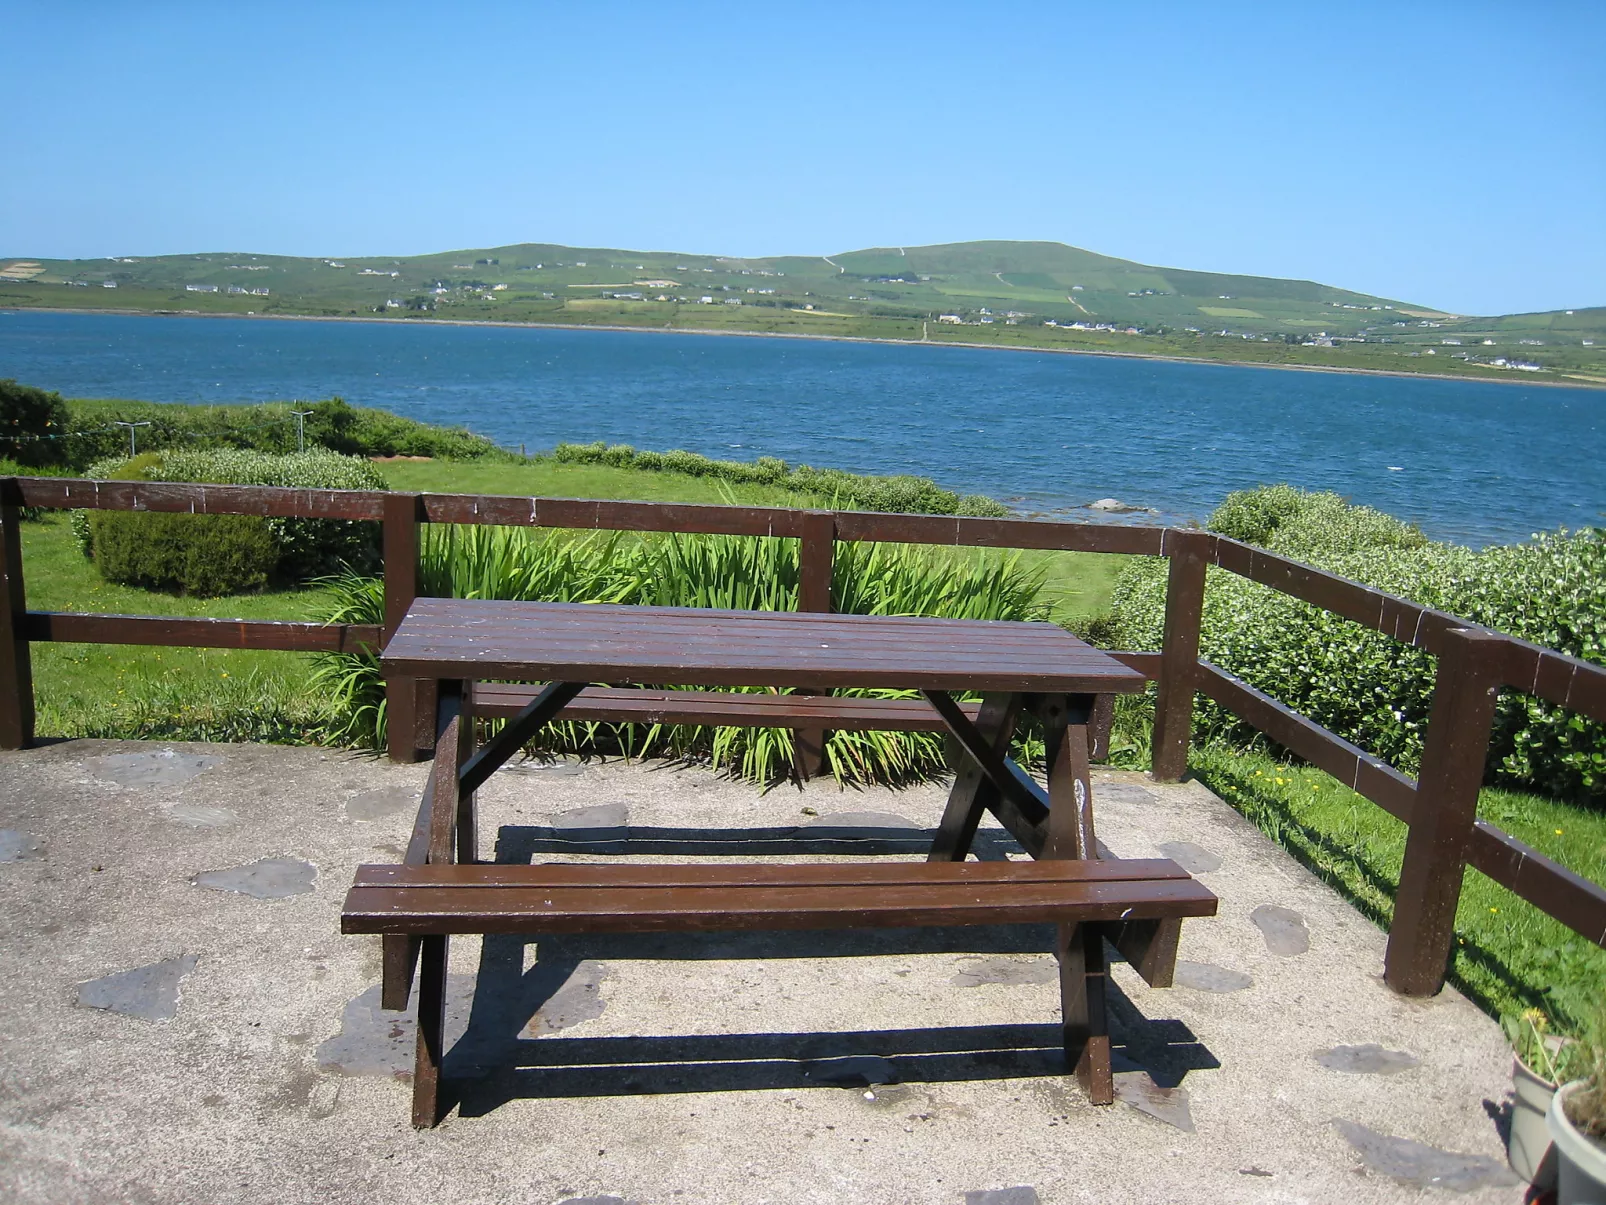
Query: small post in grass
x,y
301,429
1179,653
1453,759
16,665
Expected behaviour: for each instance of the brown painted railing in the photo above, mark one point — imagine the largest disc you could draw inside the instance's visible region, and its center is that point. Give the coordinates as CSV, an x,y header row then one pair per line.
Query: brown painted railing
x,y
1474,664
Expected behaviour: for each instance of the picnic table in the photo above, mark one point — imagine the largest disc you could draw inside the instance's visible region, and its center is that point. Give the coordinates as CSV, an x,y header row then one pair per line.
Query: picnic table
x,y
590,660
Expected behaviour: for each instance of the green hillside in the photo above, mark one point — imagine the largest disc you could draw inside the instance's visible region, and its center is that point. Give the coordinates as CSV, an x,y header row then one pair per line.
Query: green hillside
x,y
995,293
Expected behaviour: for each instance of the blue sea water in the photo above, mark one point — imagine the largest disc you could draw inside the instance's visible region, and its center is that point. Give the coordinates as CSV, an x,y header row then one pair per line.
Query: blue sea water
x,y
1472,462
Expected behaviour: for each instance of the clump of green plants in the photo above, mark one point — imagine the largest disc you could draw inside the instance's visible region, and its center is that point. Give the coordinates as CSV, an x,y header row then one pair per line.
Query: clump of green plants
x,y
687,571
1555,1058
1370,688
91,434
200,555
901,494
32,425
208,555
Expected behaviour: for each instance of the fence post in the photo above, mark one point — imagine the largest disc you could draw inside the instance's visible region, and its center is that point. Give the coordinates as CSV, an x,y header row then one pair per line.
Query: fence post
x,y
1453,762
405,707
1179,653
16,665
815,560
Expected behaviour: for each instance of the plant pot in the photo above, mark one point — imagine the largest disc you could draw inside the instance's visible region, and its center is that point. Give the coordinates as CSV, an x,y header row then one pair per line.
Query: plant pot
x,y
1580,1160
1530,1133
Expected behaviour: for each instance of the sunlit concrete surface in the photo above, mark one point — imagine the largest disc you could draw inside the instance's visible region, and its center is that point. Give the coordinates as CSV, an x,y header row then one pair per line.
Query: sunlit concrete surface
x,y
181,1020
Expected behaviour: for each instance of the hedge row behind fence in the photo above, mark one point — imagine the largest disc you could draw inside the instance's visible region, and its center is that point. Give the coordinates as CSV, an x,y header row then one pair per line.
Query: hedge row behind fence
x,y
200,554
899,495
1367,687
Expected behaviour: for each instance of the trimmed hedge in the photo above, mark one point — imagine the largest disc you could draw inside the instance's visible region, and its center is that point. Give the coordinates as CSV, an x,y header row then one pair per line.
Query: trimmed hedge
x,y
31,423
302,548
1369,688
202,555
333,424
900,494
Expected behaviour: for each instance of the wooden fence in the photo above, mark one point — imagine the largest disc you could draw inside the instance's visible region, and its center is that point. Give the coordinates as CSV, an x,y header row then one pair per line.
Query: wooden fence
x,y
1474,663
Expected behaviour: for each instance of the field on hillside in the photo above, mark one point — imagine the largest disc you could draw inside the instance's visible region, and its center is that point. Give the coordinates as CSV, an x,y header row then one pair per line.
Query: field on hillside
x,y
992,293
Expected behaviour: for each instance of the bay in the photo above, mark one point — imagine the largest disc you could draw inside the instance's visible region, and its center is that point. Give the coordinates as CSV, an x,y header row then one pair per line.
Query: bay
x,y
1471,462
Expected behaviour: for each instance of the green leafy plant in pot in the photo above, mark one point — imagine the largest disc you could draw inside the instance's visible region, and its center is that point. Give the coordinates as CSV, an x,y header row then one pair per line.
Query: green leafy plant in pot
x,y
1577,1121
1544,1060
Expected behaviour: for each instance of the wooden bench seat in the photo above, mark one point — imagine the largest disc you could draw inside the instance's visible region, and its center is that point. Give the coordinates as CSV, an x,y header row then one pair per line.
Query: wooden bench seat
x,y
723,708
592,898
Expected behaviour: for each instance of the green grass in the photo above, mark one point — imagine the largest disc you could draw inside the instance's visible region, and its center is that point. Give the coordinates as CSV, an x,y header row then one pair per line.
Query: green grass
x,y
224,694
128,690
1508,955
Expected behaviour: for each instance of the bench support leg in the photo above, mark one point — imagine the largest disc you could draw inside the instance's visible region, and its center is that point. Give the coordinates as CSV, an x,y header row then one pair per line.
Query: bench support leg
x,y
431,1030
973,792
1087,1030
1070,789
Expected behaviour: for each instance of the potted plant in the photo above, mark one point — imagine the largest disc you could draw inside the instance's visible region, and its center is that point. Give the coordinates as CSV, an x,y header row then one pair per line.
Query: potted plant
x,y
1543,1061
1577,1120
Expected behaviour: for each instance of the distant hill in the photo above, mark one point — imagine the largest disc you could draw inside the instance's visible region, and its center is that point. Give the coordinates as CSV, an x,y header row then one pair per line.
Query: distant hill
x,y
1007,293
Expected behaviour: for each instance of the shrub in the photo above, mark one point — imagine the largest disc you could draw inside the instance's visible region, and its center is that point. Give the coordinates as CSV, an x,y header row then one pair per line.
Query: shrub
x,y
203,555
1367,687
269,427
305,547
899,494
32,425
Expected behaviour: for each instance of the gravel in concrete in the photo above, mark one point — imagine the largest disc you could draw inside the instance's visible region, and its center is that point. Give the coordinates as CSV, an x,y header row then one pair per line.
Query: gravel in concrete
x,y
913,1066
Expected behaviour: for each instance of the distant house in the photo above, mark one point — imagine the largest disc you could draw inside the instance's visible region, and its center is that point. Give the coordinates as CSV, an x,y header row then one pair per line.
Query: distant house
x,y
952,319
108,284
705,301
733,301
259,292
200,288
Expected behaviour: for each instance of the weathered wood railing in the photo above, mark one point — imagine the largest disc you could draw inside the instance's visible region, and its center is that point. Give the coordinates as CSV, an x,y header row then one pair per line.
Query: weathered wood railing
x,y
1474,664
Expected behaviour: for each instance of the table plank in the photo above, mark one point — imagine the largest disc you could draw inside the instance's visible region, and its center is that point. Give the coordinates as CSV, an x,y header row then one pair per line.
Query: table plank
x,y
456,638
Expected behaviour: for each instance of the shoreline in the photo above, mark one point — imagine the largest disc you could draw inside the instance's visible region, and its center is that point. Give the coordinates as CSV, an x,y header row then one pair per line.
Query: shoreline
x,y
679,330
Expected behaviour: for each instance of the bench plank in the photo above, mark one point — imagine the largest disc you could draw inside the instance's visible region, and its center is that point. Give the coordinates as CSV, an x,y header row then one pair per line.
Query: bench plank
x,y
604,704
430,903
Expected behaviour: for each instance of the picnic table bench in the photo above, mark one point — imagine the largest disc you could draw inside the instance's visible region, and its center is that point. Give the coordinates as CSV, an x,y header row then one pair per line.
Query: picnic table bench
x,y
441,888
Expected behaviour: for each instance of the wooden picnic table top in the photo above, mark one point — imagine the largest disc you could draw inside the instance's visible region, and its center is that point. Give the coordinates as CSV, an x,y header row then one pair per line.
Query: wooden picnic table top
x,y
685,646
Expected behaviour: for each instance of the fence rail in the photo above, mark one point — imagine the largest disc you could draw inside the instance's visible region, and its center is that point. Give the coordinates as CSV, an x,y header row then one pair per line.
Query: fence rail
x,y
1439,806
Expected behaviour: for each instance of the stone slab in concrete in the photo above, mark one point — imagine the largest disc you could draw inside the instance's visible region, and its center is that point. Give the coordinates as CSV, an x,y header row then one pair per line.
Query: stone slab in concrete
x,y
265,879
1367,1059
1208,977
139,768
1422,1166
672,1069
150,993
18,846
1284,929
1195,859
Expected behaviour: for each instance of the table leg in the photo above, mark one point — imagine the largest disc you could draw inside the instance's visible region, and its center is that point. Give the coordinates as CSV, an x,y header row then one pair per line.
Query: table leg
x,y
973,792
467,813
1082,1007
1070,788
430,1048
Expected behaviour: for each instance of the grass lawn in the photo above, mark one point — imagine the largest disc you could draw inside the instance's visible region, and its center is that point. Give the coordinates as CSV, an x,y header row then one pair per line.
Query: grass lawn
x,y
226,694
1508,954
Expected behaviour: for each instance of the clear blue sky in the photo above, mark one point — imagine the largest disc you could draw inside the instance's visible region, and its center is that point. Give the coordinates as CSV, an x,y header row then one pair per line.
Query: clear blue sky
x,y
1450,154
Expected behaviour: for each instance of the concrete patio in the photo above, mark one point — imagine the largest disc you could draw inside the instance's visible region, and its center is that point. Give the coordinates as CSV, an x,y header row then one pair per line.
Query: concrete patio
x,y
181,1020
